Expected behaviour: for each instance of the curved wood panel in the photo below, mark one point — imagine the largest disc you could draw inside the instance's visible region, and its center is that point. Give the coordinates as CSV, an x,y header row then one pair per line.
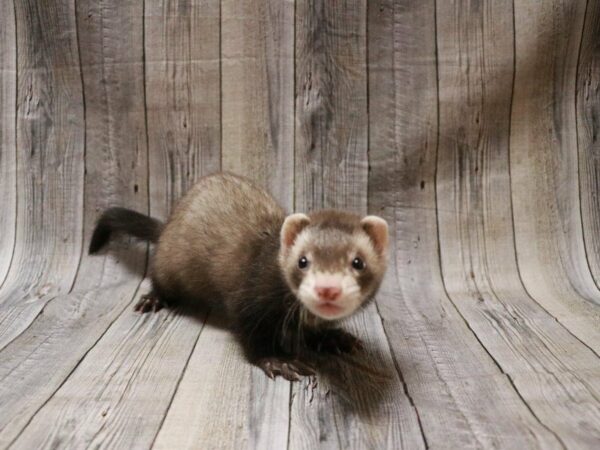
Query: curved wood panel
x,y
37,363
257,111
182,95
50,143
331,105
588,127
411,155
332,172
476,237
257,62
8,135
471,126
543,165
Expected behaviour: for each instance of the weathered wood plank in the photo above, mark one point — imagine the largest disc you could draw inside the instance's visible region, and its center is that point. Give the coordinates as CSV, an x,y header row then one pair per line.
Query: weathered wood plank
x,y
588,127
183,96
116,159
258,92
476,237
50,142
348,408
243,407
545,193
478,361
223,402
356,402
118,395
331,105
8,135
462,398
39,361
138,410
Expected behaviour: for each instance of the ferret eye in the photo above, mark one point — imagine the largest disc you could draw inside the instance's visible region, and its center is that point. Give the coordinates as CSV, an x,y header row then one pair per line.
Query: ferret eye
x,y
303,263
358,264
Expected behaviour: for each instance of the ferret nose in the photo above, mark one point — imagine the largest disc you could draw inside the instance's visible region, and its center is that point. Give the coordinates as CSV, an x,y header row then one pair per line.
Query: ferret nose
x,y
328,293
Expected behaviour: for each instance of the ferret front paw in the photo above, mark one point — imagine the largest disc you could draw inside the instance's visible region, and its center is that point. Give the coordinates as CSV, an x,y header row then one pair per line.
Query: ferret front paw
x,y
337,341
149,302
291,370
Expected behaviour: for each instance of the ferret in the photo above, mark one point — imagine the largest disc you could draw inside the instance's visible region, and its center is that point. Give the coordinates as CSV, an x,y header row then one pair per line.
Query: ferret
x,y
282,280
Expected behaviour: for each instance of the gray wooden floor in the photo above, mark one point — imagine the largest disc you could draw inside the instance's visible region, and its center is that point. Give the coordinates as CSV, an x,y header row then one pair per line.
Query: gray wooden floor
x,y
470,125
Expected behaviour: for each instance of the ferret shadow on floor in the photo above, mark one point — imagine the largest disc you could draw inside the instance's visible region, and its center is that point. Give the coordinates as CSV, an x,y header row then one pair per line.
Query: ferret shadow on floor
x,y
363,383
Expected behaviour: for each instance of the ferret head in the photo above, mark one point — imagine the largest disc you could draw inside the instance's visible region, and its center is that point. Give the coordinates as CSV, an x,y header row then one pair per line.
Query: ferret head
x,y
333,261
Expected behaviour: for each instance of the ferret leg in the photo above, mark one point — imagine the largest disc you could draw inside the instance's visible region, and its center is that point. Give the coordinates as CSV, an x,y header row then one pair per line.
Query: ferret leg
x,y
263,347
334,340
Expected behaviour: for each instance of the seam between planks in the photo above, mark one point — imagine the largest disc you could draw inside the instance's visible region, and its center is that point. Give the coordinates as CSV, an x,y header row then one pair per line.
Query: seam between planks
x,y
68,376
81,253
164,417
583,232
496,363
294,100
220,85
367,90
512,215
335,426
389,344
291,401
294,118
148,193
401,377
40,312
435,173
16,122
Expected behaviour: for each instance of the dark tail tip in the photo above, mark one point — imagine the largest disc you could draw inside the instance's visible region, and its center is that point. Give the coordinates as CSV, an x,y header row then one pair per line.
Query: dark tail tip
x,y
100,237
121,220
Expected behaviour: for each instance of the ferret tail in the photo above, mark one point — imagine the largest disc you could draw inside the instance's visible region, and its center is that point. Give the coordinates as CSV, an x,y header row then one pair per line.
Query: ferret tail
x,y
124,221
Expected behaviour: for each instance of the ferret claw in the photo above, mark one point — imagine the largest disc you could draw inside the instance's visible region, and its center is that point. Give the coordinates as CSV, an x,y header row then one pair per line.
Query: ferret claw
x,y
292,370
149,302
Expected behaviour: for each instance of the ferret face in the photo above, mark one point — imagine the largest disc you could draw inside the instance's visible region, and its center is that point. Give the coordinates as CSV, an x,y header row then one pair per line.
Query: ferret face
x,y
333,261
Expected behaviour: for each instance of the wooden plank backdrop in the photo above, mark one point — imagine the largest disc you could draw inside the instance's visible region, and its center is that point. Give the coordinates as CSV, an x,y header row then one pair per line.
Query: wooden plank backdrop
x,y
470,125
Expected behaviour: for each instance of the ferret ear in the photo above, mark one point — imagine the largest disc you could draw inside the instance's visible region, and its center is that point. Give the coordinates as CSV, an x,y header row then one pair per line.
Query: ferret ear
x,y
377,229
292,226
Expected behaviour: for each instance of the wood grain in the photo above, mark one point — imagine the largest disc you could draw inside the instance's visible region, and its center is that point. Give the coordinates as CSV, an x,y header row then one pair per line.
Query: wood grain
x,y
476,238
257,58
119,394
544,184
39,361
460,394
50,142
469,125
257,108
347,408
588,125
8,135
182,83
331,105
356,402
223,402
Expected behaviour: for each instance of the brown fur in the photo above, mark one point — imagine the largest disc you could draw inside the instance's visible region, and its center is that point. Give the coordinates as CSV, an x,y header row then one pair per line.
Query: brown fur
x,y
213,235
221,247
